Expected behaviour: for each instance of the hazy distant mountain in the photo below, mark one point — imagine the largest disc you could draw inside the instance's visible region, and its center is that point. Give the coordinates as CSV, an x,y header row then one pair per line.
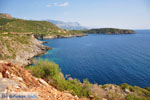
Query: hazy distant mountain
x,y
67,25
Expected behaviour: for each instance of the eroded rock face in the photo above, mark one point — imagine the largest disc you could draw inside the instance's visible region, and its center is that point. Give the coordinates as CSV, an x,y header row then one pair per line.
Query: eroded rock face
x,y
24,56
18,79
20,49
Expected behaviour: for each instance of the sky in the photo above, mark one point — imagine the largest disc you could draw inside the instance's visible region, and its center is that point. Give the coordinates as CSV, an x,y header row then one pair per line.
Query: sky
x,y
126,14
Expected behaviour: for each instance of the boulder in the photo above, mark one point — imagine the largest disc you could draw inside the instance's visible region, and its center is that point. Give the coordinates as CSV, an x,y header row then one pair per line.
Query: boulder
x,y
127,91
43,82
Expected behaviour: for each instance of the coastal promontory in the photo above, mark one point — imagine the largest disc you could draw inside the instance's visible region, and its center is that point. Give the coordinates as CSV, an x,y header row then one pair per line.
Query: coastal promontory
x,y
110,31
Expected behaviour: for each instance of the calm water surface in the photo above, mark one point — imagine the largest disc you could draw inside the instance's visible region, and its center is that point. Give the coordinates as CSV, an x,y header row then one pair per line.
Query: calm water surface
x,y
104,59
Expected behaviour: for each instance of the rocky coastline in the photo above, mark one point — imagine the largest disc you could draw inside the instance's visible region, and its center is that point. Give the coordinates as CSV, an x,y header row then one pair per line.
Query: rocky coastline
x,y
23,53
59,36
38,48
26,57
20,49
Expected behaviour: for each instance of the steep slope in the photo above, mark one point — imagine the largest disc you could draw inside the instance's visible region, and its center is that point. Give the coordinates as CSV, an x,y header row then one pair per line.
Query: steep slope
x,y
16,79
20,49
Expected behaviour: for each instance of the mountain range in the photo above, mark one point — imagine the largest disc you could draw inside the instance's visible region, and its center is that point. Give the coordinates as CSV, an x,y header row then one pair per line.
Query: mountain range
x,y
67,25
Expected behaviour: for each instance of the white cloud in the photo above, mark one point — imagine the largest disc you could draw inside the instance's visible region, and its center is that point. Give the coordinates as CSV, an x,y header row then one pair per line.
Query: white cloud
x,y
58,4
61,4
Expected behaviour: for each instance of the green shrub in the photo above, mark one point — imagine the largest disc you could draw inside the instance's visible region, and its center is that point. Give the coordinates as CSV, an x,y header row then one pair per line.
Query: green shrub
x,y
133,97
45,69
127,86
138,93
51,71
147,88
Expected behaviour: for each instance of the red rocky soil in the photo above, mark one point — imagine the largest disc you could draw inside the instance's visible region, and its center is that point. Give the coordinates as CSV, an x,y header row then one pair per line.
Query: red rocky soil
x,y
14,78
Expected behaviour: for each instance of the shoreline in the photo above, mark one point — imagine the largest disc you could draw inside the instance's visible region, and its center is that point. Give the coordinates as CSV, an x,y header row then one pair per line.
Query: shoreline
x,y
59,36
40,49
26,47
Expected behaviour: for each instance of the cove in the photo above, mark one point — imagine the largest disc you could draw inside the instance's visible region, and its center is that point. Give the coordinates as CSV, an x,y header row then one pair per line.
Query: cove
x,y
104,59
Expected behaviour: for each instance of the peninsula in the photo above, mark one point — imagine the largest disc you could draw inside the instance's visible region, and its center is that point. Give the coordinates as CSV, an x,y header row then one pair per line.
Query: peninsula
x,y
109,31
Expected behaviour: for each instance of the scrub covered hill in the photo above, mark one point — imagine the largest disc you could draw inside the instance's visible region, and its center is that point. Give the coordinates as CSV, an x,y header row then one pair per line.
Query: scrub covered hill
x,y
28,26
109,31
21,26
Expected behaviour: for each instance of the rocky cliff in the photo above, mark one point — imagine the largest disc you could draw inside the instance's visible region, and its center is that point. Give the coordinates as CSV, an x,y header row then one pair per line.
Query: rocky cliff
x,y
20,49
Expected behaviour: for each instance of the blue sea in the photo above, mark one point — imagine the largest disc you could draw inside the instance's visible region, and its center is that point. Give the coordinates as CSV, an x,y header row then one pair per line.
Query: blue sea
x,y
104,59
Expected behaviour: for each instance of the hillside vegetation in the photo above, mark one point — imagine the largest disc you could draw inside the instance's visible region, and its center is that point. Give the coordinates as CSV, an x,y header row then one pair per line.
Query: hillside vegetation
x,y
52,73
12,25
28,26
17,83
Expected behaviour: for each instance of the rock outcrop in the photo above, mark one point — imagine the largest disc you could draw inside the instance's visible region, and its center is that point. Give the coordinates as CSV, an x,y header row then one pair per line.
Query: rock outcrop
x,y
20,49
16,79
